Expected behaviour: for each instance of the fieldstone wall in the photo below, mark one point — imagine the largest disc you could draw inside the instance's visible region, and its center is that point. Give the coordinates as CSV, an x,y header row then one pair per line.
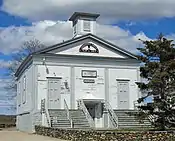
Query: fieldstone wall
x,y
93,135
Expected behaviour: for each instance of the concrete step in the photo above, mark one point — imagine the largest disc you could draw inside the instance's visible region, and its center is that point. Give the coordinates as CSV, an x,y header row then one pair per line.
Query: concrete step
x,y
79,119
134,123
60,119
62,127
130,119
127,119
62,122
82,117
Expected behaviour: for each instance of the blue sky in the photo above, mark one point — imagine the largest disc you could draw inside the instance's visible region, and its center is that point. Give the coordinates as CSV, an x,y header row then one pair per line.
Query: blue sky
x,y
121,22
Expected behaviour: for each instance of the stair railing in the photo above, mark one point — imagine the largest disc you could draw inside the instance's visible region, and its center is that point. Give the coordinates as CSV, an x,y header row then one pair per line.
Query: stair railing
x,y
68,113
82,106
45,111
136,104
111,112
151,118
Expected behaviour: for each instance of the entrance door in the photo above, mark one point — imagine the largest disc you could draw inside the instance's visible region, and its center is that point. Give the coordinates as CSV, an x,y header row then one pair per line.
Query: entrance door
x,y
54,93
91,110
123,94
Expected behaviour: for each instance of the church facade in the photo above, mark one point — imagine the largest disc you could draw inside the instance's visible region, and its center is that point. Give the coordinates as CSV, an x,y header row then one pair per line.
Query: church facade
x,y
84,69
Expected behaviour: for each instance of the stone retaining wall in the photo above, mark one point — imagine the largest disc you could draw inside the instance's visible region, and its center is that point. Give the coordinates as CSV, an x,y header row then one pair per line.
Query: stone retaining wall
x,y
92,135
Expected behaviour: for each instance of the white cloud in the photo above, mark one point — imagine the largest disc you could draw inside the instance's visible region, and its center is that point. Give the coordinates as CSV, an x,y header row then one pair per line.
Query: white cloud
x,y
4,63
109,9
50,32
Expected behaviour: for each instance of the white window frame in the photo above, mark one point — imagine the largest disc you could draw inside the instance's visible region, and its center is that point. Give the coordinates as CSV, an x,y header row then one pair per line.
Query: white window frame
x,y
87,25
75,29
19,94
24,90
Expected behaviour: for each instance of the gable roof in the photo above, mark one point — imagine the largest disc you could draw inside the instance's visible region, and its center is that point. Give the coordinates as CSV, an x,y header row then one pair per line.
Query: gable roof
x,y
87,36
28,59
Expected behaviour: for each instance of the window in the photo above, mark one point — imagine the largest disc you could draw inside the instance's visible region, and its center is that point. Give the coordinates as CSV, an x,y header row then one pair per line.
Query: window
x,y
24,90
19,94
87,25
75,26
75,29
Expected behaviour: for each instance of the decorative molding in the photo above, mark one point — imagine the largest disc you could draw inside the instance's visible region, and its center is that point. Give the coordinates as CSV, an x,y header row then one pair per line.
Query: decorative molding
x,y
89,48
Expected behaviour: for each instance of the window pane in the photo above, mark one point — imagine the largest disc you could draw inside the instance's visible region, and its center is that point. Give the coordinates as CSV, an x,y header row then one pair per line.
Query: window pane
x,y
24,90
75,29
19,94
86,25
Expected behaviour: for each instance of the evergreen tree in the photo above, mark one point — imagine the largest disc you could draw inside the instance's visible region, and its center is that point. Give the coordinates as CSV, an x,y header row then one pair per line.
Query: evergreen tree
x,y
158,69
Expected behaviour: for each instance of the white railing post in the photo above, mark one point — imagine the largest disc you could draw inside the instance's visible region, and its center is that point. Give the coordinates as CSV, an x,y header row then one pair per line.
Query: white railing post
x,y
82,106
112,114
68,113
45,111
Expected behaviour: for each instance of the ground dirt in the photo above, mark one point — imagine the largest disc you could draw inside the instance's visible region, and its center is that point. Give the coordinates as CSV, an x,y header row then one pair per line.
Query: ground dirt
x,y
12,135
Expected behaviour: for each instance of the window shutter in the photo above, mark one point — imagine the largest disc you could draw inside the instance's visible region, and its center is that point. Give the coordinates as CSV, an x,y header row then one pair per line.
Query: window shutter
x,y
86,25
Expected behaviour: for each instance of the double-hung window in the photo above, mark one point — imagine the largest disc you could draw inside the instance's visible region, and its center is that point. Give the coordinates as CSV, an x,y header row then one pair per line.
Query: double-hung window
x,y
24,90
87,25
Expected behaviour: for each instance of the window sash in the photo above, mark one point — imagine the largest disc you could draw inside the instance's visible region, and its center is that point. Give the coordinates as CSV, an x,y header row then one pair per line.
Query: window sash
x,y
86,25
19,94
24,90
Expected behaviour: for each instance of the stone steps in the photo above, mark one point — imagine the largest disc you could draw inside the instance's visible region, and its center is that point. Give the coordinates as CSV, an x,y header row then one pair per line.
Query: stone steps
x,y
59,118
127,119
79,119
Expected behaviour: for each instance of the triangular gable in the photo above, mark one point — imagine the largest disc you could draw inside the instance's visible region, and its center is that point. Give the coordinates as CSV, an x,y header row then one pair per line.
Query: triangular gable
x,y
91,49
88,45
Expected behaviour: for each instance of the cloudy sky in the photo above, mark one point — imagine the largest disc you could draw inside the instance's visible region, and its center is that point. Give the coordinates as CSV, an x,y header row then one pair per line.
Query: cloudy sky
x,y
122,22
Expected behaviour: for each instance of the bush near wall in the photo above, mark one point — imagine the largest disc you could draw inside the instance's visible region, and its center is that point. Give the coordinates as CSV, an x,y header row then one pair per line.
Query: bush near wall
x,y
94,135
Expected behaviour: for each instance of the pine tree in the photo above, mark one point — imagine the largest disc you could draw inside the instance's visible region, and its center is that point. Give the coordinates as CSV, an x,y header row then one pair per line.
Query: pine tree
x,y
158,69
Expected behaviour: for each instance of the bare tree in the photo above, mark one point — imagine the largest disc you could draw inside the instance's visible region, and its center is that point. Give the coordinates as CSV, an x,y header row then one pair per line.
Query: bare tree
x,y
27,48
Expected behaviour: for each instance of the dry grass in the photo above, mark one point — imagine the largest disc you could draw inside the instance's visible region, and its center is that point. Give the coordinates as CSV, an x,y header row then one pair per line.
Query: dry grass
x,y
7,121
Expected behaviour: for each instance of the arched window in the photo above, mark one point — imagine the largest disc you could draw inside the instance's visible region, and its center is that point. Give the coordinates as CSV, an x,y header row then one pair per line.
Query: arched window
x,y
89,47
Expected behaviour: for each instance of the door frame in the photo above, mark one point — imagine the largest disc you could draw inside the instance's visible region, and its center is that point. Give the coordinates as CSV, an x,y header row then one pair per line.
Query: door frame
x,y
123,80
53,78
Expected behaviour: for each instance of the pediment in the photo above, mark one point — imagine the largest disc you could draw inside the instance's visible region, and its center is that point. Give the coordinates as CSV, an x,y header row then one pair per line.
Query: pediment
x,y
91,49
88,45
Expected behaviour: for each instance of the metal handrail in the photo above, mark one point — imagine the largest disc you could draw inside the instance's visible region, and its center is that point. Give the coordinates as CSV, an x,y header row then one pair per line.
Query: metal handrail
x,y
112,114
136,104
67,112
86,112
46,112
151,118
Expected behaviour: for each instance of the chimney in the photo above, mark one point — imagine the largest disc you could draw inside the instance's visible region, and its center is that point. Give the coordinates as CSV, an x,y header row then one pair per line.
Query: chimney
x,y
83,23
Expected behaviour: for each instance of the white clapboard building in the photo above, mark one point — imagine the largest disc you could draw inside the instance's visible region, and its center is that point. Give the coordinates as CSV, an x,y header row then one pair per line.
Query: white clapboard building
x,y
84,82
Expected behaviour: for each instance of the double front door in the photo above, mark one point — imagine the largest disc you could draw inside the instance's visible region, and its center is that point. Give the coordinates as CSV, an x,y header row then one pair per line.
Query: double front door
x,y
54,87
123,95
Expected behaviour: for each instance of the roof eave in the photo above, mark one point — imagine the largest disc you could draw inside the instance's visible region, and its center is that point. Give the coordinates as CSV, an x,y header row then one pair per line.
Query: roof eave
x,y
84,37
76,14
23,65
